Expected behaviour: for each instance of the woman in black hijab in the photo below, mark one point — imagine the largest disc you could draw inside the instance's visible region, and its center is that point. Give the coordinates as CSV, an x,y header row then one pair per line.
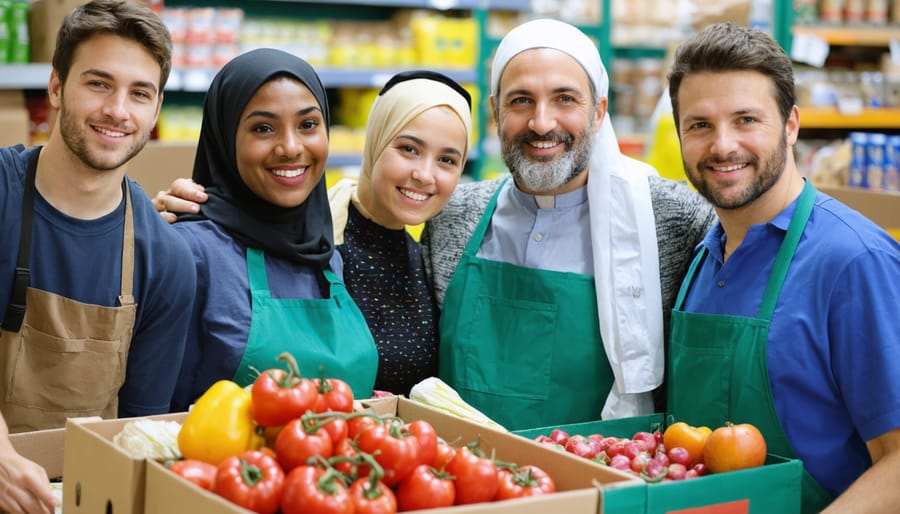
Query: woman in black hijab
x,y
269,279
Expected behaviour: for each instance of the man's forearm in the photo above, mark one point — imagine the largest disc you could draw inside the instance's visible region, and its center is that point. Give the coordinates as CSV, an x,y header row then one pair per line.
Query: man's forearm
x,y
875,491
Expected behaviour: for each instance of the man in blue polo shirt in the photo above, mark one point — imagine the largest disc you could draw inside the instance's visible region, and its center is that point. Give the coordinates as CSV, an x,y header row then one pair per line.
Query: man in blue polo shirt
x,y
787,318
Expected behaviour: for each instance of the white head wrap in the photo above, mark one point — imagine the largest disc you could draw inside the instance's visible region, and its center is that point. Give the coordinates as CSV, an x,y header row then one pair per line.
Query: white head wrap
x,y
623,232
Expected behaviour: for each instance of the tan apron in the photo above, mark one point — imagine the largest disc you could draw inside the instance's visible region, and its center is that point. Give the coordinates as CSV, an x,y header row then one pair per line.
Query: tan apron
x,y
67,359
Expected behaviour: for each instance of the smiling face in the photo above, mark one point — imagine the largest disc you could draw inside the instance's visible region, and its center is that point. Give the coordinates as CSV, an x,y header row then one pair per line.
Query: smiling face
x,y
282,142
734,142
109,103
546,116
414,176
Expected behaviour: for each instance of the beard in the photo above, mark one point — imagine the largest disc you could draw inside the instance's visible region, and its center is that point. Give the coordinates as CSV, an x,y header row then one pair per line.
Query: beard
x,y
767,174
73,136
547,174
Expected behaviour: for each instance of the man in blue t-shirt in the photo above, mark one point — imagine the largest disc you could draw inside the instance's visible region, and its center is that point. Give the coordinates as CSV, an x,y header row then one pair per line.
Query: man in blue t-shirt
x,y
95,288
787,318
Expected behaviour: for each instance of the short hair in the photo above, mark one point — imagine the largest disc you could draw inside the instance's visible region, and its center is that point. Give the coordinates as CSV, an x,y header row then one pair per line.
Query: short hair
x,y
726,47
122,18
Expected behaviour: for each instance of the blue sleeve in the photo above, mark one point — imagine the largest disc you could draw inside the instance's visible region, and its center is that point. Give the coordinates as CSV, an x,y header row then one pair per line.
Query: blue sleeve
x,y
168,276
864,330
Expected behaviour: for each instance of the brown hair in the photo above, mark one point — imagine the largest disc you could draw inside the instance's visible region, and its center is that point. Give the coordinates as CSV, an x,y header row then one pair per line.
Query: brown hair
x,y
117,17
728,47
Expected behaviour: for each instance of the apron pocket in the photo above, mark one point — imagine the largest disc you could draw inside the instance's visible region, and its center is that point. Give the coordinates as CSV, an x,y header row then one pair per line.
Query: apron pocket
x,y
58,374
506,338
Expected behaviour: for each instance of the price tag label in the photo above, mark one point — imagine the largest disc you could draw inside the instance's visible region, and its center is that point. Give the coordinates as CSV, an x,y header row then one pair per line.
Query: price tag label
x,y
894,46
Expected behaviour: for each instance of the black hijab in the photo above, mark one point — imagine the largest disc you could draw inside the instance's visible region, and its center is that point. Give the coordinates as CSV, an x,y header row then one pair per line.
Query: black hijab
x,y
301,234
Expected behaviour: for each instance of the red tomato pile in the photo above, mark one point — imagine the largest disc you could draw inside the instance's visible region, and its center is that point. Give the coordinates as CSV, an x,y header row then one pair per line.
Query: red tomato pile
x,y
322,457
681,452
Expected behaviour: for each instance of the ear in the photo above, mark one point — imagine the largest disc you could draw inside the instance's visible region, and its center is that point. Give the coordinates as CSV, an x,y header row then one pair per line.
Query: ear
x,y
54,89
600,111
792,125
494,109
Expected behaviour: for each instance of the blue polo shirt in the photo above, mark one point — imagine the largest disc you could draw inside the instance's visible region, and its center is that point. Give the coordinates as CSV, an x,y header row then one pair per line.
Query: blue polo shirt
x,y
834,341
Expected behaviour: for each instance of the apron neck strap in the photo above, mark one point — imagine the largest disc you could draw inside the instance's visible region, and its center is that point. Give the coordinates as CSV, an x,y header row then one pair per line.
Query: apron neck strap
x,y
786,252
475,240
15,309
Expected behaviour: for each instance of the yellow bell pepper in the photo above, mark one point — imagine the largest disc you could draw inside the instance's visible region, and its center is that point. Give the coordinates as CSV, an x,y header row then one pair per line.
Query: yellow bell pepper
x,y
219,425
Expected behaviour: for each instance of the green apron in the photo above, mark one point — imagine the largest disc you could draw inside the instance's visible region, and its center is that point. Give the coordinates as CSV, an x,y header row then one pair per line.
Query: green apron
x,y
717,363
520,344
328,337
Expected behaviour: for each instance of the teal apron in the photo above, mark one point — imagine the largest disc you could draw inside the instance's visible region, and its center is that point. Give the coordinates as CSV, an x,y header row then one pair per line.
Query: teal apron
x,y
717,363
328,337
520,344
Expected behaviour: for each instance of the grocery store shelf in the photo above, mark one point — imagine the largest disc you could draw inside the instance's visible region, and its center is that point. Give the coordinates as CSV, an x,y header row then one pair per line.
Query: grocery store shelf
x,y
830,118
500,5
639,52
35,76
845,35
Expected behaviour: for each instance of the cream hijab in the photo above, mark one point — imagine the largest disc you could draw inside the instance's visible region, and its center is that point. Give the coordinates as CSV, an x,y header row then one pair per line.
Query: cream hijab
x,y
393,110
623,232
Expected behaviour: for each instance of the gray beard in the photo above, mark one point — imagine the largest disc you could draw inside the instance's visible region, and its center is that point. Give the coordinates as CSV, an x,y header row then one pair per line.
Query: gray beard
x,y
542,176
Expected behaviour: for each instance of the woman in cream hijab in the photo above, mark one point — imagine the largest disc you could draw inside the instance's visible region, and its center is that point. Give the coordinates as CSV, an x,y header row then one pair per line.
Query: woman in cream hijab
x,y
417,140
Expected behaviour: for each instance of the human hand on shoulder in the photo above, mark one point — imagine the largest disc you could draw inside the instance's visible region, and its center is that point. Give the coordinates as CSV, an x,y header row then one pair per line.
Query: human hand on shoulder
x,y
183,197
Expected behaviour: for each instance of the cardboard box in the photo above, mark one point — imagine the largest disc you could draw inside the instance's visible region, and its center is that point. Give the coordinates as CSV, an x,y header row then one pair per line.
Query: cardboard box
x,y
578,480
774,487
161,162
45,447
881,207
45,18
14,118
98,475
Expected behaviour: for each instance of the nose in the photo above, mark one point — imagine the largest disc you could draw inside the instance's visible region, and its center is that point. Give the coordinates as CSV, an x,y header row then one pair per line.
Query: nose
x,y
724,142
543,120
289,145
114,107
424,174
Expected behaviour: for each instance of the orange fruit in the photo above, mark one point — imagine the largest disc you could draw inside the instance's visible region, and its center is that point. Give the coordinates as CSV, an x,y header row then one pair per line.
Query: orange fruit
x,y
734,447
688,437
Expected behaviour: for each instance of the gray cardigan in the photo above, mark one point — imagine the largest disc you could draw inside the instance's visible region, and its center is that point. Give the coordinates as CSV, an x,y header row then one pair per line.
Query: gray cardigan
x,y
682,219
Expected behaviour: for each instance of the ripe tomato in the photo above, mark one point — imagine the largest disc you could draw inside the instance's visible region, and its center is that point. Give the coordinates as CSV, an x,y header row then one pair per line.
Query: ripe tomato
x,y
196,471
311,489
359,424
734,447
525,481
372,500
295,444
395,451
337,429
427,437
476,477
278,396
333,395
443,455
254,480
425,488
690,438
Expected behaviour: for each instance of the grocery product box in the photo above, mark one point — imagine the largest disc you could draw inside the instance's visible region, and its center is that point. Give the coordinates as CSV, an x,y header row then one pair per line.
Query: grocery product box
x,y
161,162
773,487
578,480
14,118
45,18
44,447
98,476
882,207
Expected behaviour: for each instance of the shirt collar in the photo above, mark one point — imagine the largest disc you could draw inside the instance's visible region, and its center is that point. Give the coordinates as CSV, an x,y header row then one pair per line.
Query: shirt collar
x,y
561,201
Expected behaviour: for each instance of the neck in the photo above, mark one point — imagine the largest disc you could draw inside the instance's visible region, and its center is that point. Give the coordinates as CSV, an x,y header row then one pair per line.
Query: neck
x,y
74,188
736,222
363,203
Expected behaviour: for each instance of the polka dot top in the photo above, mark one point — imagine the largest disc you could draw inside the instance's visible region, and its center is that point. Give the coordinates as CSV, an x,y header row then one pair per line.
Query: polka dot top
x,y
385,274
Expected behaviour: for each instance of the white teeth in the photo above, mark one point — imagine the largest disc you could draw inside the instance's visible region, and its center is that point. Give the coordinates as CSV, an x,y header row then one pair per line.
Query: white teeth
x,y
543,144
289,173
415,196
728,168
109,133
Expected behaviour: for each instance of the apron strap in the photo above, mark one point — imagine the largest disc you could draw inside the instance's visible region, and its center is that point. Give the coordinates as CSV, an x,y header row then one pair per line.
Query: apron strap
x,y
15,309
786,251
688,278
256,272
126,289
475,240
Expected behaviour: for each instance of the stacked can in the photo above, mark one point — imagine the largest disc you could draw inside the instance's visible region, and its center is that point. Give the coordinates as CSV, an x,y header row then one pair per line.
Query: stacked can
x,y
892,168
14,42
857,175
